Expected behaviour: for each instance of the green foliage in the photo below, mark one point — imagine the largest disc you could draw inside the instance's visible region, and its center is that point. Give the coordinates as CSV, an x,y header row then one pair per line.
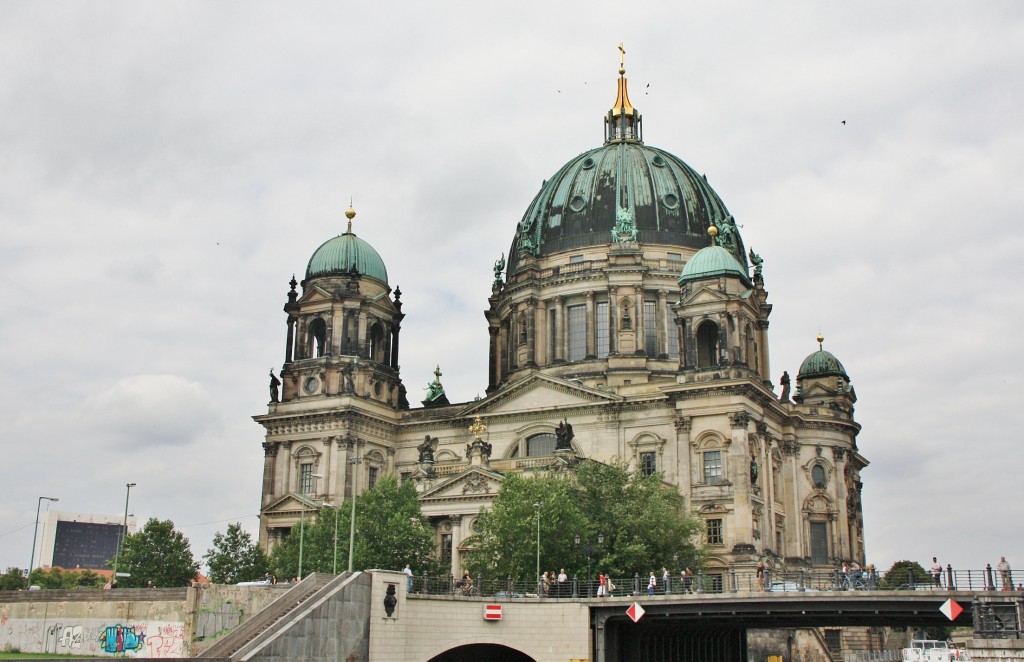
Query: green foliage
x,y
53,578
900,575
390,532
644,523
12,580
157,553
234,557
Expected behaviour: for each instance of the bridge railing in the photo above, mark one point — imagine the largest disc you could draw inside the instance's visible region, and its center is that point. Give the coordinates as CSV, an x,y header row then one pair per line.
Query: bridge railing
x,y
728,580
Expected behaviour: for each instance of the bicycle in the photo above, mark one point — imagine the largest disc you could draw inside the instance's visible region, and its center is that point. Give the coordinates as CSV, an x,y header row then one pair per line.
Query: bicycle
x,y
854,583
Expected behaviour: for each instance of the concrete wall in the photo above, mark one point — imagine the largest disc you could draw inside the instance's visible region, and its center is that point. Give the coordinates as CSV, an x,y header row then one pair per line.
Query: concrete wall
x,y
154,623
419,629
989,650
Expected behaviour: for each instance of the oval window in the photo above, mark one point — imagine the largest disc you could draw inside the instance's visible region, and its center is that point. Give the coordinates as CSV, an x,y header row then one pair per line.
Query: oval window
x,y
588,163
658,161
577,203
670,200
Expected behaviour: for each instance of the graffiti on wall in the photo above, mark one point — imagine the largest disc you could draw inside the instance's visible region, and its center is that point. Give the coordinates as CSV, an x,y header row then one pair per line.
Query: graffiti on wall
x,y
121,639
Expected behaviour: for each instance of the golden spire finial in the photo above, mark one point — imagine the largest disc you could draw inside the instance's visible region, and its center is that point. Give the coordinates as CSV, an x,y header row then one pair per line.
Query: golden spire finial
x,y
622,59
350,213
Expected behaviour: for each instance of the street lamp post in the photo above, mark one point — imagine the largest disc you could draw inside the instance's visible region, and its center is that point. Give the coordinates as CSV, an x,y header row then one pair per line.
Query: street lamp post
x,y
589,550
352,520
124,531
302,523
536,508
35,532
336,509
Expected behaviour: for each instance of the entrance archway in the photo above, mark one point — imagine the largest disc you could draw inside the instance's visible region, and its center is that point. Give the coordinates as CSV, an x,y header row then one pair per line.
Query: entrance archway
x,y
475,652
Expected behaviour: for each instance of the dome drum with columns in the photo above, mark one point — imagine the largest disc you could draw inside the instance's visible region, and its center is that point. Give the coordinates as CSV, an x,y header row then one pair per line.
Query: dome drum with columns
x,y
627,309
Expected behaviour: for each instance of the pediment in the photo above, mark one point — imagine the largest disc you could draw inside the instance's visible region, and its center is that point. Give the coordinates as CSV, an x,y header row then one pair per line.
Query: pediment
x,y
313,294
540,392
475,482
291,503
704,295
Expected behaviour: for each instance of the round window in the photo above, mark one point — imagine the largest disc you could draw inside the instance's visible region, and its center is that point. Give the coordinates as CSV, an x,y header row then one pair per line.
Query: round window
x,y
577,204
658,161
670,200
588,163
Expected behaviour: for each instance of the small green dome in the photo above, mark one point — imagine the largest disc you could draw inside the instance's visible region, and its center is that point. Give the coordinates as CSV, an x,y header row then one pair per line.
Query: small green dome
x,y
337,256
712,262
822,364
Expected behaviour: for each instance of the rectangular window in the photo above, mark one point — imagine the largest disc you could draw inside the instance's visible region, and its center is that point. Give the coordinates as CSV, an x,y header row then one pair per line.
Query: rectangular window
x,y
577,333
372,477
575,259
778,540
406,475
650,328
715,535
648,462
306,478
602,329
712,467
819,543
834,640
673,340
446,548
675,257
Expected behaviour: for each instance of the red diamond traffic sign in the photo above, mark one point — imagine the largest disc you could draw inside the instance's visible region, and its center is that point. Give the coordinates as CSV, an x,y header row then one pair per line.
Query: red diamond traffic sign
x,y
951,609
635,612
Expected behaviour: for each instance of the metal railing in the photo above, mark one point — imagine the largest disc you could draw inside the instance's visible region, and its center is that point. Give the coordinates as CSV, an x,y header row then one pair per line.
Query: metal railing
x,y
710,582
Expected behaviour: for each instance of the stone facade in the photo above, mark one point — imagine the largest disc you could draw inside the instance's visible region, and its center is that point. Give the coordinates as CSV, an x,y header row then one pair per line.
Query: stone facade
x,y
639,324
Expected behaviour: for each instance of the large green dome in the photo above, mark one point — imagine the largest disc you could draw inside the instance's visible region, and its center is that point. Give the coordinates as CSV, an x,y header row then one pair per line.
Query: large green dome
x,y
822,364
712,262
341,254
667,200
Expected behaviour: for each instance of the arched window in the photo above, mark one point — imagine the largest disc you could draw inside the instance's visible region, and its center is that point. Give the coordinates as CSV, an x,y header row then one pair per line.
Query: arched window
x,y
541,444
317,338
707,345
377,343
818,476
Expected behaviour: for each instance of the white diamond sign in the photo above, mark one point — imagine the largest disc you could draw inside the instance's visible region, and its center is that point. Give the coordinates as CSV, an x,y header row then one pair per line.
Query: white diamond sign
x,y
951,609
635,612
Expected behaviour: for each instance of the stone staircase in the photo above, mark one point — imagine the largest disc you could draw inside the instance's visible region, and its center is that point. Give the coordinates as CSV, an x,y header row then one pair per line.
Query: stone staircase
x,y
235,644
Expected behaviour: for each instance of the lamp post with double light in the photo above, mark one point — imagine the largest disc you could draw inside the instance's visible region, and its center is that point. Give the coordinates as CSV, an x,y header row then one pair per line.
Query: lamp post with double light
x,y
302,522
124,531
536,514
35,533
589,550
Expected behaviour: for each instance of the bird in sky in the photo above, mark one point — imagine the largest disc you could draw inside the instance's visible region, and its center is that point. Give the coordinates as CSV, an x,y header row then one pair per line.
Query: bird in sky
x,y
844,122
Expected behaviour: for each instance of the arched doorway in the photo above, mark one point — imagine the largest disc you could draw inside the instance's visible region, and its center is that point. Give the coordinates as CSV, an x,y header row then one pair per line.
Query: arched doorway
x,y
475,652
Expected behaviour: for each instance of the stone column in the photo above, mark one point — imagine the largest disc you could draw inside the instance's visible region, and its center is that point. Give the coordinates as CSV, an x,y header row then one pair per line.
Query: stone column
x,y
290,342
269,455
764,366
456,521
613,327
664,327
492,368
638,321
531,332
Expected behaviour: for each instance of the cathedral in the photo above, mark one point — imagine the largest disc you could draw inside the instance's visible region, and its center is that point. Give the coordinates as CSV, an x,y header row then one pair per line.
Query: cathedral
x,y
629,322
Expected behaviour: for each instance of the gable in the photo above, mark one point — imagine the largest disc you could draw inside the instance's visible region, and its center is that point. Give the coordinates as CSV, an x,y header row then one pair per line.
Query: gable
x,y
291,503
540,392
474,483
704,295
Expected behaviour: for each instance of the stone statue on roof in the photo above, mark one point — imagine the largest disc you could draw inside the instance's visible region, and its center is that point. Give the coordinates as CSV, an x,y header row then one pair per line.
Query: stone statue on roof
x,y
499,267
726,233
275,387
564,436
757,261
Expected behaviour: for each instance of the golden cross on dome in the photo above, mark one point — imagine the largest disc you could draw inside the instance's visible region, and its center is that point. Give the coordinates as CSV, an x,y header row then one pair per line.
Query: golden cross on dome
x,y
622,58
477,428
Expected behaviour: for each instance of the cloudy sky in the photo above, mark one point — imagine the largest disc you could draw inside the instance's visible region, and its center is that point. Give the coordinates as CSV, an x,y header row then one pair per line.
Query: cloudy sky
x,y
167,166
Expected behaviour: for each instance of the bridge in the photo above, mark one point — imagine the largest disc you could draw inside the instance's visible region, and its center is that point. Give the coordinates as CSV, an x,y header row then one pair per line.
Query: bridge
x,y
370,615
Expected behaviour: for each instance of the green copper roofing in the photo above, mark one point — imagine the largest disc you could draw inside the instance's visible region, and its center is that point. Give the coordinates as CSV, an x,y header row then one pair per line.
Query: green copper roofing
x,y
339,255
712,262
822,364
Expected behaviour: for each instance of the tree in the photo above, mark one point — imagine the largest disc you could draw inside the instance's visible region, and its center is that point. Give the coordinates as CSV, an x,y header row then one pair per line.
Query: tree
x,y
12,580
158,553
53,578
234,557
391,531
906,573
643,521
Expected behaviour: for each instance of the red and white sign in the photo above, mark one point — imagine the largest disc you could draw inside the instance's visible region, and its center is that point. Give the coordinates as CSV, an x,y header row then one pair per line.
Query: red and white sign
x,y
635,612
951,609
492,612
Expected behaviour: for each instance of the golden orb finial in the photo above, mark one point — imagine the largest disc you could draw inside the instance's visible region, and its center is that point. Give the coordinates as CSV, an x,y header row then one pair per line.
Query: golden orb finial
x,y
350,213
821,339
712,231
